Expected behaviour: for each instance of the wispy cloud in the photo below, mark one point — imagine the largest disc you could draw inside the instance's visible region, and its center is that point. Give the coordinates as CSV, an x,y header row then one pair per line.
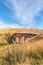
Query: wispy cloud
x,y
5,25
25,10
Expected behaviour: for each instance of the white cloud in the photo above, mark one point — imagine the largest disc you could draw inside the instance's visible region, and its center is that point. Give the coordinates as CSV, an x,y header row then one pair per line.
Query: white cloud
x,y
15,26
1,23
25,10
5,25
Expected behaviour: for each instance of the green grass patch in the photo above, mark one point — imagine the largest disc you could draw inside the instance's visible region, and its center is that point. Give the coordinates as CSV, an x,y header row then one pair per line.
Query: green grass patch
x,y
3,44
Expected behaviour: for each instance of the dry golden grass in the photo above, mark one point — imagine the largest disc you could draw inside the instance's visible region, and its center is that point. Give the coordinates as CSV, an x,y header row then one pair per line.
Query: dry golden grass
x,y
11,30
25,49
30,51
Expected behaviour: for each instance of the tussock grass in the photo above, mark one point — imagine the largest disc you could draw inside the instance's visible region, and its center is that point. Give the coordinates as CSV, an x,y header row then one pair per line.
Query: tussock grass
x,y
16,54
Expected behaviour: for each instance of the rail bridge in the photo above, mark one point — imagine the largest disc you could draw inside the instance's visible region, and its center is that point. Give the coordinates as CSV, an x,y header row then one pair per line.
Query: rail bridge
x,y
23,37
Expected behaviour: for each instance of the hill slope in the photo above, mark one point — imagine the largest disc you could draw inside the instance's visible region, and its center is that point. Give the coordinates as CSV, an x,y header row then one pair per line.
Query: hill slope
x,y
21,54
4,33
11,30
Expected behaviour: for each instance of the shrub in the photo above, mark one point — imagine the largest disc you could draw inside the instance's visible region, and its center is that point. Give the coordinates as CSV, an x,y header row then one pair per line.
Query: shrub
x,y
9,38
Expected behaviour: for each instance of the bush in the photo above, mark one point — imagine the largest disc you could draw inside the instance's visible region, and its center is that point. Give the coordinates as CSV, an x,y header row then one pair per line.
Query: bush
x,y
9,38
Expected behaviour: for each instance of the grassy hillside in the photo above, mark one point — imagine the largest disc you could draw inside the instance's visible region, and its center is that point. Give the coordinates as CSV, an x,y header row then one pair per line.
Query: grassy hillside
x,y
21,54
5,33
11,30
30,53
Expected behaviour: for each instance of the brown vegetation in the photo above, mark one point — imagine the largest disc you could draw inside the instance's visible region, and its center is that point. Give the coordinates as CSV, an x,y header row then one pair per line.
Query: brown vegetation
x,y
30,53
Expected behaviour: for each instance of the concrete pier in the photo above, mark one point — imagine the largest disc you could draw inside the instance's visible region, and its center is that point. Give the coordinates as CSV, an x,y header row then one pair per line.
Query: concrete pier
x,y
22,39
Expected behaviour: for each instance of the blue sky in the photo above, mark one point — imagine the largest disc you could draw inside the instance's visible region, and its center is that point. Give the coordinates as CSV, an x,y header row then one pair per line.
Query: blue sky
x,y
21,14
